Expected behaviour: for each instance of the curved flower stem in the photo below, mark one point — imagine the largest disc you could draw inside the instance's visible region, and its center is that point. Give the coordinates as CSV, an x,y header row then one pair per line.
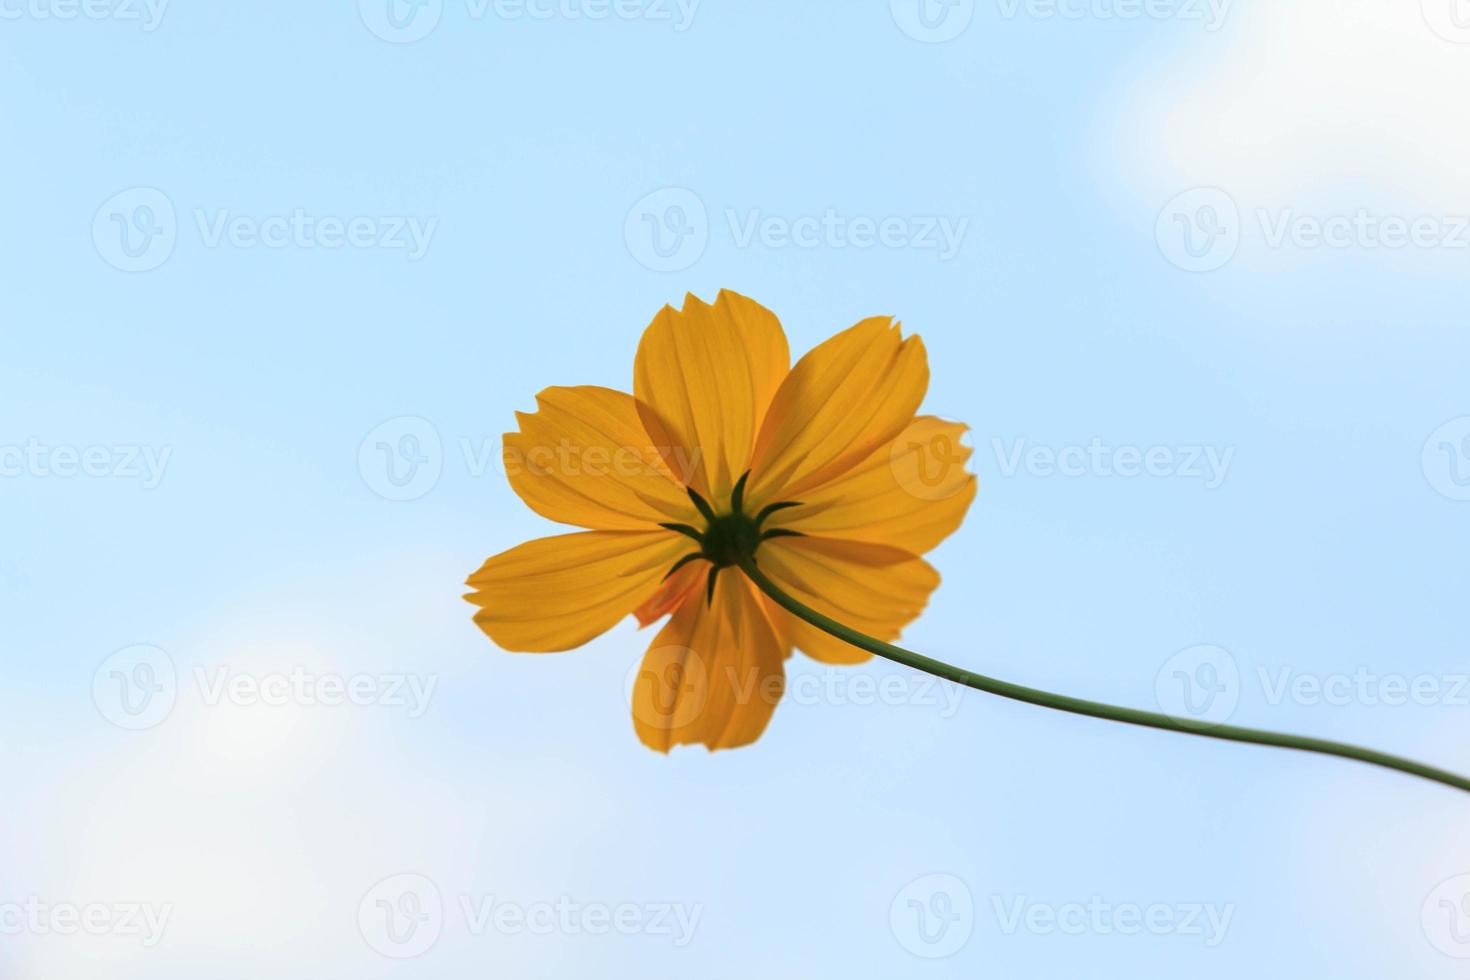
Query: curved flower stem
x,y
1093,709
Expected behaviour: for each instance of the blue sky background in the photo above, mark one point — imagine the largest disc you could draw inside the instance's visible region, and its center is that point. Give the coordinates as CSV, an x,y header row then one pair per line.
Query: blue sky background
x,y
1332,545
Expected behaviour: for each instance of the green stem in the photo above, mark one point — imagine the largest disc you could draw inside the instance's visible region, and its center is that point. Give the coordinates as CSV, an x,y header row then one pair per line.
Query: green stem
x,y
1093,709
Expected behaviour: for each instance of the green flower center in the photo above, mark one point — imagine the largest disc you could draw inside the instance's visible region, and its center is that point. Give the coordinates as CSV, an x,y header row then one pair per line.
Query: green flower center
x,y
730,538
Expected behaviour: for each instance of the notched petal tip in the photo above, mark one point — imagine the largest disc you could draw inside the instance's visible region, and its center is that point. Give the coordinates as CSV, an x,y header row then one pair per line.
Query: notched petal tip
x,y
713,675
557,593
704,377
584,458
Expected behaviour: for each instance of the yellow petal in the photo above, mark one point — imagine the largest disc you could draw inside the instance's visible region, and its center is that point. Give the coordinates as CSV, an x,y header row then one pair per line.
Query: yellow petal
x,y
911,493
558,593
797,633
584,458
674,590
846,398
713,675
872,588
704,377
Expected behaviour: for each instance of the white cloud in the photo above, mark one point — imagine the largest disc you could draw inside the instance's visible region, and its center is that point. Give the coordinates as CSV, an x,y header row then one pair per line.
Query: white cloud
x,y
1313,103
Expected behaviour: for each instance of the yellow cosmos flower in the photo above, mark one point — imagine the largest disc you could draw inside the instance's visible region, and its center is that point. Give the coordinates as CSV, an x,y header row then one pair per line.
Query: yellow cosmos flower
x,y
816,484
819,473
